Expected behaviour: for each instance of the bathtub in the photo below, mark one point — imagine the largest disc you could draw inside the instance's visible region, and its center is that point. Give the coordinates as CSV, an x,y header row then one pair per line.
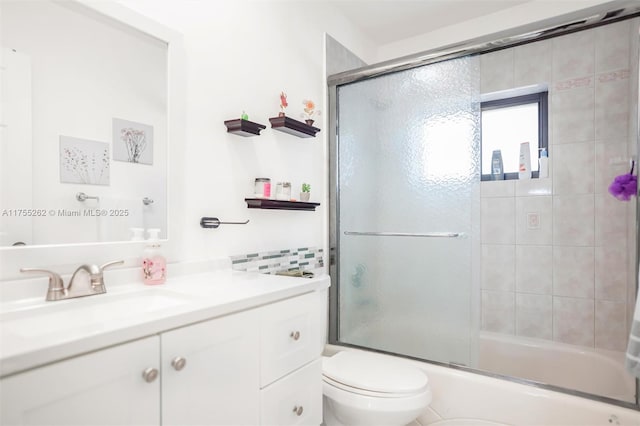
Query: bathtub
x,y
464,398
595,371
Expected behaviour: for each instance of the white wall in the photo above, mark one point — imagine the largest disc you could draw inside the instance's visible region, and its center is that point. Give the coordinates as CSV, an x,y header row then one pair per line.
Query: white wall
x,y
86,70
239,56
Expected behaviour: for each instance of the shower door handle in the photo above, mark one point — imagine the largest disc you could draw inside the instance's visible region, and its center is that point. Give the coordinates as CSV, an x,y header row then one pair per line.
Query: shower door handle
x,y
405,234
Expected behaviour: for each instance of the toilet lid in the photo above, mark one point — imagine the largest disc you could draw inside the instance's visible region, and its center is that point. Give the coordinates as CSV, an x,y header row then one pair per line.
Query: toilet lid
x,y
373,373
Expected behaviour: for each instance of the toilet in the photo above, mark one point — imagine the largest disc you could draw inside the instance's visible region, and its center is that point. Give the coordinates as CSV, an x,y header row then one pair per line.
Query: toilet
x,y
363,389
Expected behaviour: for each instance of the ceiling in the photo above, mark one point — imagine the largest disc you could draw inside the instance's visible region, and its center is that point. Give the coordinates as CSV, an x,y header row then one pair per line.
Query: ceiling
x,y
386,21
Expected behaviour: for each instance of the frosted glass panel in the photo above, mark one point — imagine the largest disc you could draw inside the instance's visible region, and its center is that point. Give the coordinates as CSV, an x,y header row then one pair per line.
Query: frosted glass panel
x,y
408,162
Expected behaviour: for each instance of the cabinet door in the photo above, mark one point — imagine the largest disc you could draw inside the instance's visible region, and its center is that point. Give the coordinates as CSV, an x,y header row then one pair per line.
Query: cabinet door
x,y
218,383
293,334
102,388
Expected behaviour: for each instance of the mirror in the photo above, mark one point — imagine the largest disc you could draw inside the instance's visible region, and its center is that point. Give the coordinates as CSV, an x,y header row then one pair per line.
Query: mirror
x,y
83,155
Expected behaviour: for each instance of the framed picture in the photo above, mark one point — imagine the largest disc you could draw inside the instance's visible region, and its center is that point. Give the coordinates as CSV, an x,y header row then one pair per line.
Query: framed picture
x,y
84,161
132,142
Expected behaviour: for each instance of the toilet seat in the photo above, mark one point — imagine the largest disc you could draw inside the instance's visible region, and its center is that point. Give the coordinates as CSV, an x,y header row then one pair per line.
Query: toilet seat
x,y
373,375
364,392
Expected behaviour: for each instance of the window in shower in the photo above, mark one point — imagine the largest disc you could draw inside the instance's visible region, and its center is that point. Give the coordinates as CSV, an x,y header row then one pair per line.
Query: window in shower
x,y
508,122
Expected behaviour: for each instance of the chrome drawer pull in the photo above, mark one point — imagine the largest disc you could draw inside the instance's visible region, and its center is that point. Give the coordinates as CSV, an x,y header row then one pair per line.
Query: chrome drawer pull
x,y
150,374
295,335
178,363
298,410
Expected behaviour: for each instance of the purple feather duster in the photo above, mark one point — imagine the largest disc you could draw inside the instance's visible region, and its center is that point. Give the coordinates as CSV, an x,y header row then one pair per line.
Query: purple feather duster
x,y
624,186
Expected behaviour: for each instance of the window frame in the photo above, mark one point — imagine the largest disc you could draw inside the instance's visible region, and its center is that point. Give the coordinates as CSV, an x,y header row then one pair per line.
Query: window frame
x,y
542,99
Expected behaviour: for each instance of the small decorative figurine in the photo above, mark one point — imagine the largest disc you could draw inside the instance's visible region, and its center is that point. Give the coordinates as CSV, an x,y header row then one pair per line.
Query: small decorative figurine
x,y
309,111
244,116
283,103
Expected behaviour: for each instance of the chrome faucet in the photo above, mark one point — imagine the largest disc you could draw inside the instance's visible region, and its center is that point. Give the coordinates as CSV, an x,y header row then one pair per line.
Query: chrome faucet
x,y
57,289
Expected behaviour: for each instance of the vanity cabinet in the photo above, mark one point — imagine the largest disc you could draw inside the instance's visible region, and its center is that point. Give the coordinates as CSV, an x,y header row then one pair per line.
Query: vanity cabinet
x,y
259,366
101,388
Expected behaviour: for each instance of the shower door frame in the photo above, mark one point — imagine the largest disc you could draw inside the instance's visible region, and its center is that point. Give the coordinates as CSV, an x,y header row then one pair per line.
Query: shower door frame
x,y
588,18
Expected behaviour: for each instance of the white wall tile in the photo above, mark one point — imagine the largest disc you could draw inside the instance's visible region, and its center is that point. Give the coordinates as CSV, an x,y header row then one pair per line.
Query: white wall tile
x,y
612,94
496,71
526,187
573,321
573,55
572,107
532,63
498,220
611,273
612,46
580,252
612,159
498,267
573,169
497,188
573,220
534,269
498,311
573,271
610,328
534,315
528,232
610,220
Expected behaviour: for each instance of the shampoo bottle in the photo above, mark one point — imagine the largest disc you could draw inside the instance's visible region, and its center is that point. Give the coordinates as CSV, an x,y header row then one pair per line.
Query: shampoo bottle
x,y
154,265
497,168
524,164
544,163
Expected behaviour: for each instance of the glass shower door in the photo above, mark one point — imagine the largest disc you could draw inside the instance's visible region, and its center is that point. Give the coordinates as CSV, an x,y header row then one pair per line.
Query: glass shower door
x,y
407,211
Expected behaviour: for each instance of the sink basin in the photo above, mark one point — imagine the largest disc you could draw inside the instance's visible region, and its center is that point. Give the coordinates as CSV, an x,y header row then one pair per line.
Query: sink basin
x,y
91,313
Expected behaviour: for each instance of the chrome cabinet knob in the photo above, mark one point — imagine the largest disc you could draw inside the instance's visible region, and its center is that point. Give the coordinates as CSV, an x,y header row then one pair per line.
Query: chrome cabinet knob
x,y
298,410
150,374
178,363
295,335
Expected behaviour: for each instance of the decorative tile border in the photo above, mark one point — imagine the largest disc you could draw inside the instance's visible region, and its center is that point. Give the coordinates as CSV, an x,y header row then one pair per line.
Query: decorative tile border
x,y
575,83
613,76
305,258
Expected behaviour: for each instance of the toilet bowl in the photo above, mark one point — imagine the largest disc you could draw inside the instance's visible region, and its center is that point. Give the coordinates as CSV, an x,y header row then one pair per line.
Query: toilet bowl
x,y
362,389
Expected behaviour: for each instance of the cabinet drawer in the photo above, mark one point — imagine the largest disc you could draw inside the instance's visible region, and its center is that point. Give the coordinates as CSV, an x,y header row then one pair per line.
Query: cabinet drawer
x,y
292,335
295,399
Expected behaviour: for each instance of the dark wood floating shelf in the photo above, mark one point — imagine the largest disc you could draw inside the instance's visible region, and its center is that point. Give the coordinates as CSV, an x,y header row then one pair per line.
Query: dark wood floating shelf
x,y
244,128
264,203
293,127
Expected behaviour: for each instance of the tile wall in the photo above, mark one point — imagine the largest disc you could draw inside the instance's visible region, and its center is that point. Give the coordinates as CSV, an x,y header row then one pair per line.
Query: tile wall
x,y
558,253
305,258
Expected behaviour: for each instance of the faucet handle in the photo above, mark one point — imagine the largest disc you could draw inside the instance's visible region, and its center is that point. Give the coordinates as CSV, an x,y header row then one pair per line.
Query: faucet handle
x,y
108,264
56,289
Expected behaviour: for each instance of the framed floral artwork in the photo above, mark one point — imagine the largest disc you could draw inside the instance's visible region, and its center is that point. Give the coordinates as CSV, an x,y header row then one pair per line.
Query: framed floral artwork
x,y
132,142
84,161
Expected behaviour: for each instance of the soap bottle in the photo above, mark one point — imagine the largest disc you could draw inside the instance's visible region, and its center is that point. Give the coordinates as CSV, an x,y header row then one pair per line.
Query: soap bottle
x,y
497,168
524,163
154,265
544,163
137,234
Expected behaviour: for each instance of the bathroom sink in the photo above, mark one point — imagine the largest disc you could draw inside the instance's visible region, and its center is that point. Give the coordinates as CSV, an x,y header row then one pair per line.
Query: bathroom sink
x,y
91,313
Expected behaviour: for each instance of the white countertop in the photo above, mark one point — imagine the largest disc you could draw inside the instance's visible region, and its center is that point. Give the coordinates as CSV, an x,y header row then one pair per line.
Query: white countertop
x,y
35,333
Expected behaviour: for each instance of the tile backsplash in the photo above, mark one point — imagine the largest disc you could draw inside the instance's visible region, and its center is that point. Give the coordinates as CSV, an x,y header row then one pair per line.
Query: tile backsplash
x,y
558,253
305,258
